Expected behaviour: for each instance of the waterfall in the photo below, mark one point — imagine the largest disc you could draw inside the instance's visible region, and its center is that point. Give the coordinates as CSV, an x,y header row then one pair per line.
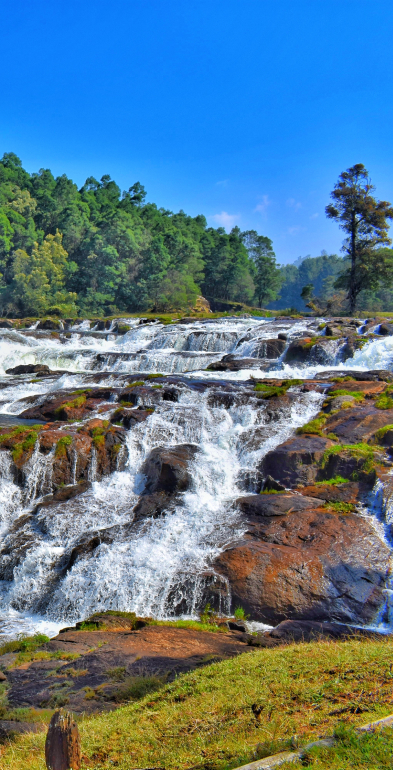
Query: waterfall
x,y
158,566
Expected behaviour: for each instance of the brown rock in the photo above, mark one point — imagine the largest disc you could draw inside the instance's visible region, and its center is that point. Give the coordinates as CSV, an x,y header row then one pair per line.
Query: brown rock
x,y
313,566
358,424
275,505
29,369
296,460
166,469
367,388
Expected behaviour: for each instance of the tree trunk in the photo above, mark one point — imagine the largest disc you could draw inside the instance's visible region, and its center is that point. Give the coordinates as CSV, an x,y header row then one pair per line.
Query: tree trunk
x,y
63,747
352,293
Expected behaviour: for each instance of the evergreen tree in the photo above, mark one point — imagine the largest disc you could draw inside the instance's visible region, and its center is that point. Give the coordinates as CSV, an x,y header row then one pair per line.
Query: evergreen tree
x,y
364,220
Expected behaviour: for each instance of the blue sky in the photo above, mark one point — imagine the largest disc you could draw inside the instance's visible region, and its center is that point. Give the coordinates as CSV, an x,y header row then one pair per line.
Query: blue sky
x,y
243,110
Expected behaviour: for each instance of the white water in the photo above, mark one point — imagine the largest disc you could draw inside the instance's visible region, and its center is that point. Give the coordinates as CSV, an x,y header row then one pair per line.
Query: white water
x,y
158,566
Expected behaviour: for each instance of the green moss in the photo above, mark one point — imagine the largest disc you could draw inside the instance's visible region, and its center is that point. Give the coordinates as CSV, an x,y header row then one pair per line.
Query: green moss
x,y
61,445
384,401
75,404
136,384
332,482
381,432
270,391
354,393
314,426
123,328
340,507
127,404
272,491
99,441
359,451
342,379
153,376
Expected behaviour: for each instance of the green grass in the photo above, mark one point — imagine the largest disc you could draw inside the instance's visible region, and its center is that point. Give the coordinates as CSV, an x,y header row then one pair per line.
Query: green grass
x,y
205,720
153,376
353,751
340,507
135,384
354,393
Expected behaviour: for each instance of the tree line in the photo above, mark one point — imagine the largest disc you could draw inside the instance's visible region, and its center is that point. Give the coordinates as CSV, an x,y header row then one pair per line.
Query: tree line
x,y
99,250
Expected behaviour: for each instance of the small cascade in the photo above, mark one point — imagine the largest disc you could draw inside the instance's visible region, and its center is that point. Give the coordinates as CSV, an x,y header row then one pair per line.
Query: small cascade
x,y
64,561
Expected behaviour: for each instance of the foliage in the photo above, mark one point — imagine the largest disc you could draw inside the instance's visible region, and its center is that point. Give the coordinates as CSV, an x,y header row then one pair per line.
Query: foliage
x,y
98,250
204,719
364,220
266,274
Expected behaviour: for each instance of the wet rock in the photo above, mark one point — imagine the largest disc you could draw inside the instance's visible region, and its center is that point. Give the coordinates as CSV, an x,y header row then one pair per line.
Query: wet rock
x,y
29,369
167,469
346,492
271,485
231,364
314,566
282,336
51,324
306,631
265,505
299,350
358,424
269,348
296,461
341,402
386,329
383,375
6,325
367,388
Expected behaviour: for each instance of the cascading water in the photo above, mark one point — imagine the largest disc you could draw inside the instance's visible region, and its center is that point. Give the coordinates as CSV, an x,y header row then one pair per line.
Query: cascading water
x,y
156,567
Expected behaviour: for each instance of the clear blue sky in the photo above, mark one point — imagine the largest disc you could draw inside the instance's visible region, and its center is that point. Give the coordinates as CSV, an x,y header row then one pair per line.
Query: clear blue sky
x,y
243,110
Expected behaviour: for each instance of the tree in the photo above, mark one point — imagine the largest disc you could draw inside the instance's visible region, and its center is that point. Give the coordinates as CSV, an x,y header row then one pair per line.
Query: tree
x,y
39,278
364,220
267,278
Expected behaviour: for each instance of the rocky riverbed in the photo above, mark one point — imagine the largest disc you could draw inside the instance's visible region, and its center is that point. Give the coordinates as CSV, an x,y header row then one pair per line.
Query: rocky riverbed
x,y
156,469
257,479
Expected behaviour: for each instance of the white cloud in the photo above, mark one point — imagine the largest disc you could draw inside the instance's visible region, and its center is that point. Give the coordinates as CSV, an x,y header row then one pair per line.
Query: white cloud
x,y
294,204
314,216
223,183
264,203
225,220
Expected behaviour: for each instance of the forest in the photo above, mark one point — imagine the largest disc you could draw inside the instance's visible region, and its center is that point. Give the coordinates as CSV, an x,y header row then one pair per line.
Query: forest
x,y
99,250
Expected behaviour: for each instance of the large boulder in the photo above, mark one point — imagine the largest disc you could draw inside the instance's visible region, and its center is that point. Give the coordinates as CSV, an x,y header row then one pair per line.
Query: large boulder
x,y
359,423
269,348
29,369
167,468
296,461
312,564
167,474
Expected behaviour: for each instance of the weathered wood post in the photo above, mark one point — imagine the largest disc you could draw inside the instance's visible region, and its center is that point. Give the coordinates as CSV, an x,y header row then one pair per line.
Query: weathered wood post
x,y
63,746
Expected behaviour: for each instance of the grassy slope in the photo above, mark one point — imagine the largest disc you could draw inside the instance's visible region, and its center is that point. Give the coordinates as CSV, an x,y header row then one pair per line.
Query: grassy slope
x,y
205,718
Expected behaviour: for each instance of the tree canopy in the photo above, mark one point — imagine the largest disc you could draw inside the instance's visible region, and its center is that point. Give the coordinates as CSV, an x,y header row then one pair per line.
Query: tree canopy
x,y
102,251
364,220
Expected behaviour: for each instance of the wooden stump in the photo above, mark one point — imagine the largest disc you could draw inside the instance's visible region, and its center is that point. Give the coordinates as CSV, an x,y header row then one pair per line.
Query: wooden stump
x,y
63,746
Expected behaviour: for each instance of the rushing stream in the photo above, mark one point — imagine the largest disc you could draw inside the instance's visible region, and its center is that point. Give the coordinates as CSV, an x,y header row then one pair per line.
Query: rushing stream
x,y
159,567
